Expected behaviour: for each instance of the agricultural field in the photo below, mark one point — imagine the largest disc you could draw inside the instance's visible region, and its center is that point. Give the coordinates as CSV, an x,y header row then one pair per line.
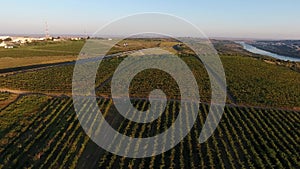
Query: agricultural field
x,y
6,98
40,53
9,62
50,136
250,81
260,127
254,81
47,48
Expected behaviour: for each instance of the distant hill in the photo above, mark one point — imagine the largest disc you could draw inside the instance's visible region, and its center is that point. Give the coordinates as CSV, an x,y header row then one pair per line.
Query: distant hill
x,y
284,47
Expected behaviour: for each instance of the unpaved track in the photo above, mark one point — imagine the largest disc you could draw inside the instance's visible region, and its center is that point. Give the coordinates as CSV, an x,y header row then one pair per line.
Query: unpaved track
x,y
24,92
63,95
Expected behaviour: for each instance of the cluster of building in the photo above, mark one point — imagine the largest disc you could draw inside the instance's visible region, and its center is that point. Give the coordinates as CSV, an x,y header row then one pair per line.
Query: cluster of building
x,y
14,41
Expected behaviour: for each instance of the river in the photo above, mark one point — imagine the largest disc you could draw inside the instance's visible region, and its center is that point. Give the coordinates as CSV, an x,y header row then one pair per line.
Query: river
x,y
255,50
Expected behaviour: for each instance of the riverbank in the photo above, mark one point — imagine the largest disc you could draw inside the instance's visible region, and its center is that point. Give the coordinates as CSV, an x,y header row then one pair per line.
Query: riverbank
x,y
256,50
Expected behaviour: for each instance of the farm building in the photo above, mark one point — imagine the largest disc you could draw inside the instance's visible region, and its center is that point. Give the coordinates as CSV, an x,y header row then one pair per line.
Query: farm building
x,y
6,45
4,37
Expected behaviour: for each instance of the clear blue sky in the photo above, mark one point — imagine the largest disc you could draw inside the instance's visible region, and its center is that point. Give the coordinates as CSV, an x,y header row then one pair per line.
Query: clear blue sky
x,y
276,19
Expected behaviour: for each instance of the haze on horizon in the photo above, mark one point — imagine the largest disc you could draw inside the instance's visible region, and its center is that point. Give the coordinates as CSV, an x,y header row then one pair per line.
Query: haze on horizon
x,y
268,19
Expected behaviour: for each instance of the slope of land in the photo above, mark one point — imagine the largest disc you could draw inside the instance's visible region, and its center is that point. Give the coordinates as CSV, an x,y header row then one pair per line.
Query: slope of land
x,y
289,48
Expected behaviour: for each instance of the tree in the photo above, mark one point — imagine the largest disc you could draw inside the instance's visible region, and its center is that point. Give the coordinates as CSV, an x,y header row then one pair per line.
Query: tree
x,y
7,39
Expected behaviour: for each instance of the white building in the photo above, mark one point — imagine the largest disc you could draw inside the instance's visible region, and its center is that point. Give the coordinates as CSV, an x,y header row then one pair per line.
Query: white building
x,y
4,37
8,47
25,39
21,39
3,44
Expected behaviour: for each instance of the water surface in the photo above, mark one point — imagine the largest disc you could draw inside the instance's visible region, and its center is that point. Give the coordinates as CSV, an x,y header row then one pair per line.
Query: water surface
x,y
255,50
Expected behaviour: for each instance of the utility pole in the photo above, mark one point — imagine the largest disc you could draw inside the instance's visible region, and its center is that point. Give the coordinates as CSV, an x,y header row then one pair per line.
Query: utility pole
x,y
46,31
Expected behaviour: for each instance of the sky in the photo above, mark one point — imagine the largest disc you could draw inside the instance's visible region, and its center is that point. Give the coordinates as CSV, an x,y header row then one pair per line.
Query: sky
x,y
257,19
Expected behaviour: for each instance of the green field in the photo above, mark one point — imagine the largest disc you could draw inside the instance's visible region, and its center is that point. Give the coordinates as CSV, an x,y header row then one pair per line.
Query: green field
x,y
50,136
40,53
250,81
254,81
259,128
4,96
44,49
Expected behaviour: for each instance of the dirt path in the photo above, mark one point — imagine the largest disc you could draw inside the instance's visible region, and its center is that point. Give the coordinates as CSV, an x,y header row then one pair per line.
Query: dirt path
x,y
13,91
24,92
21,93
48,50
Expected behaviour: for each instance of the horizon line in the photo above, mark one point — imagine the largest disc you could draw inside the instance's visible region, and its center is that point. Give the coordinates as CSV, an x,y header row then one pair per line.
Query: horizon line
x,y
118,36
